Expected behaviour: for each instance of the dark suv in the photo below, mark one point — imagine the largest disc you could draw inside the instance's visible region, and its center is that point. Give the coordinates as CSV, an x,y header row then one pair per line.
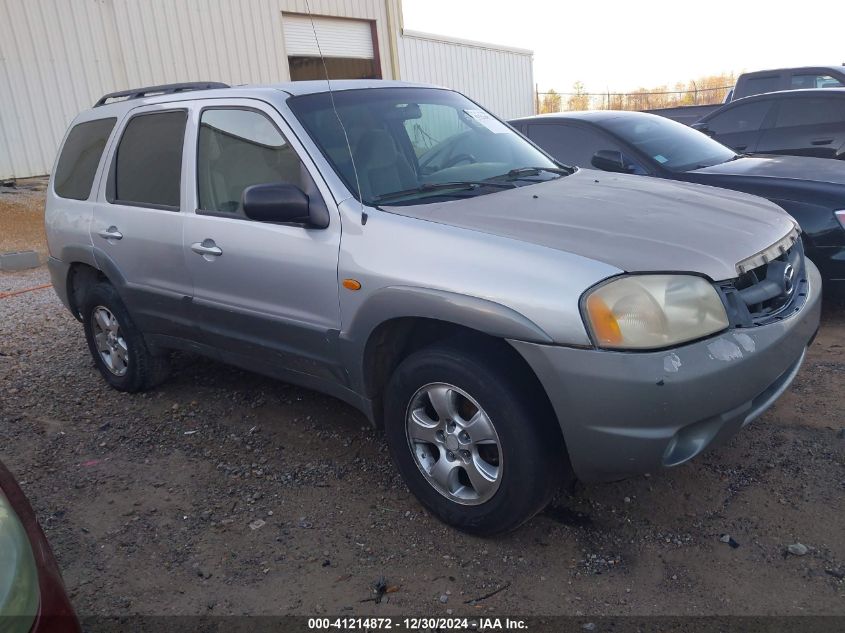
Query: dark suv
x,y
760,81
797,122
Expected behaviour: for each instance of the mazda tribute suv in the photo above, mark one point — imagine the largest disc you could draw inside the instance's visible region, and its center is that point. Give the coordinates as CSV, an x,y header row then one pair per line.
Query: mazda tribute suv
x,y
509,322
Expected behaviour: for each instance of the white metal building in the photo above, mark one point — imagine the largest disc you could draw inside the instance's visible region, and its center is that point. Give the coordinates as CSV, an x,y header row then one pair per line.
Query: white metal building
x,y
59,57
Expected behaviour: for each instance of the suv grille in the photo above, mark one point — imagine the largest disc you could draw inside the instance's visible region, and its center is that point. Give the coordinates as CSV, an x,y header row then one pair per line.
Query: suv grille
x,y
768,292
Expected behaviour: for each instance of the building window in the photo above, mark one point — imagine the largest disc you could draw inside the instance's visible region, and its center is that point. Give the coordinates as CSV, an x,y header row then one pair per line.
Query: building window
x,y
305,68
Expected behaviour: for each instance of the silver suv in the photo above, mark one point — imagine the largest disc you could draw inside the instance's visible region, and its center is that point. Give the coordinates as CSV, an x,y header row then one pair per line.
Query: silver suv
x,y
509,322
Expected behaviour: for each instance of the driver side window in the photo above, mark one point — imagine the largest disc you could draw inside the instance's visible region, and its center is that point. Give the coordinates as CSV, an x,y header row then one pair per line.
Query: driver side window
x,y
237,149
576,145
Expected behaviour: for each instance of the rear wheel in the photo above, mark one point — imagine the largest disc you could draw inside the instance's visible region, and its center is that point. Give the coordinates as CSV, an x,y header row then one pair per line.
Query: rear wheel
x,y
117,346
476,444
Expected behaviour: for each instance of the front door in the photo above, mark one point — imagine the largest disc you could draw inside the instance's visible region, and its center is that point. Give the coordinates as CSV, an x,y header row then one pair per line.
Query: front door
x,y
739,126
265,294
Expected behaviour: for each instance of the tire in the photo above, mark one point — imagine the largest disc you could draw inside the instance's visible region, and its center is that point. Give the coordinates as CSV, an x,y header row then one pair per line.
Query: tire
x,y
117,346
528,466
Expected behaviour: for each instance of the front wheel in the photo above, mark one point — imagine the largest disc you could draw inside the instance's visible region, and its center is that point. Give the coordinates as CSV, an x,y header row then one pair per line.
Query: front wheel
x,y
475,442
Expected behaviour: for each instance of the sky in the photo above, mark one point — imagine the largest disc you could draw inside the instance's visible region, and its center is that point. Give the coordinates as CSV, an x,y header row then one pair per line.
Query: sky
x,y
620,46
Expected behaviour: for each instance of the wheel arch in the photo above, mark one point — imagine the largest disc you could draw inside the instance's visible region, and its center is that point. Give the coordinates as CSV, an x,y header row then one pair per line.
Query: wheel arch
x,y
403,320
87,266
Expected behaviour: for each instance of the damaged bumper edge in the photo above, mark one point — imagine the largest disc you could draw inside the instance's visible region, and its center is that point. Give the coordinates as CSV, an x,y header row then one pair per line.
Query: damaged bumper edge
x,y
626,413
58,276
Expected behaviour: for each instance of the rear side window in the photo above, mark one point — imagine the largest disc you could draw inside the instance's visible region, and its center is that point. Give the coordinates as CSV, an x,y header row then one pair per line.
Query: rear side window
x,y
147,170
79,158
759,85
747,117
816,111
814,81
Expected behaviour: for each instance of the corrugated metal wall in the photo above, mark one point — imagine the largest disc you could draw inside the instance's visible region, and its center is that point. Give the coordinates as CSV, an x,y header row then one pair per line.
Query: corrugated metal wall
x,y
501,79
57,57
54,57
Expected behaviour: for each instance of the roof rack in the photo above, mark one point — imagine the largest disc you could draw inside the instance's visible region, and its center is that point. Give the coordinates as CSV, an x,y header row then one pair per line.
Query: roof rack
x,y
165,89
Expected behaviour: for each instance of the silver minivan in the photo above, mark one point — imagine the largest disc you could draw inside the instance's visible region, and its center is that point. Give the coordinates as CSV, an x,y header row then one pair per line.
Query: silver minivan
x,y
510,322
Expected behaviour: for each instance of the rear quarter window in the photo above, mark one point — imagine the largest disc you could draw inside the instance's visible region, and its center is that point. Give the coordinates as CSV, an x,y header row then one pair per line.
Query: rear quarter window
x,y
80,157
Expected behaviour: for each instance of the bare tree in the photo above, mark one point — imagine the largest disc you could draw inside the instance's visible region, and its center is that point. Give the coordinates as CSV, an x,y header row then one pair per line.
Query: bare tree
x,y
579,100
551,102
704,90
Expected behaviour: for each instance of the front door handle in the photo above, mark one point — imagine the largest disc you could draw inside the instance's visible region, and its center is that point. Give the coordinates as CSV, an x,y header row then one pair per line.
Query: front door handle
x,y
822,141
207,247
740,148
111,233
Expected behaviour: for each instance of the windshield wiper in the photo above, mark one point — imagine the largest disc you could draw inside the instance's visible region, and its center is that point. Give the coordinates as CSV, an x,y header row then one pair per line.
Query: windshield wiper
x,y
461,185
522,172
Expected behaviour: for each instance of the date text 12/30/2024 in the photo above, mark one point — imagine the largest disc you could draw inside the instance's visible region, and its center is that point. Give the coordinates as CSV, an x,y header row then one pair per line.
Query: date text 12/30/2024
x,y
418,624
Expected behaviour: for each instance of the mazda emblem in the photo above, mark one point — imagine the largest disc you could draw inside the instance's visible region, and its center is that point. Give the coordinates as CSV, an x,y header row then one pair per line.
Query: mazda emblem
x,y
788,279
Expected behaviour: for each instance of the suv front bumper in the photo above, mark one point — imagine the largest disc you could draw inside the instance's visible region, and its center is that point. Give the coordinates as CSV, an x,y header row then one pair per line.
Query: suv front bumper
x,y
626,413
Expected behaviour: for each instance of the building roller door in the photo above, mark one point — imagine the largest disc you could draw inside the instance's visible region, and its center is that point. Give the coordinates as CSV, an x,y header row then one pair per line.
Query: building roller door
x,y
348,47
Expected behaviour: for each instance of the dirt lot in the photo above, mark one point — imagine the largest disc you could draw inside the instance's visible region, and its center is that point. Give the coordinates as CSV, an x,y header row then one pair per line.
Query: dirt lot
x,y
226,492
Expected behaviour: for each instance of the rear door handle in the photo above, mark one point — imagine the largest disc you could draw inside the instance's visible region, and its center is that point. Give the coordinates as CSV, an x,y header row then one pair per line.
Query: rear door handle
x,y
822,141
111,233
207,247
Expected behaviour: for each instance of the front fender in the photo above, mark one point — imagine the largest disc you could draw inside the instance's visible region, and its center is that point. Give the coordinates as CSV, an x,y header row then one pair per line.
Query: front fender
x,y
394,302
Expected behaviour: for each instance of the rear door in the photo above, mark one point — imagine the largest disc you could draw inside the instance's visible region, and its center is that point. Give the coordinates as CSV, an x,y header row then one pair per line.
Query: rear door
x,y
136,228
740,126
807,126
265,294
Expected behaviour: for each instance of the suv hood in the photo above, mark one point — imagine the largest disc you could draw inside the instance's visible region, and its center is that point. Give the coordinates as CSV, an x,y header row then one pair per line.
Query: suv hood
x,y
783,167
634,223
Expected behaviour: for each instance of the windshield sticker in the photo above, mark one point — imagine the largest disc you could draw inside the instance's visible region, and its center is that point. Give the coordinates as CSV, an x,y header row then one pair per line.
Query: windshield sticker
x,y
660,158
491,123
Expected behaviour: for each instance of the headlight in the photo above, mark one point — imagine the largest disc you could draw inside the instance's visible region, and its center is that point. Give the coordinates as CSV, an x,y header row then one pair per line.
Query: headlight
x,y
653,311
19,595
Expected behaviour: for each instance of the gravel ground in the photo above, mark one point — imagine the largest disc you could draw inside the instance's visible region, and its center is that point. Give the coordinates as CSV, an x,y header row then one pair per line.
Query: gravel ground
x,y
223,492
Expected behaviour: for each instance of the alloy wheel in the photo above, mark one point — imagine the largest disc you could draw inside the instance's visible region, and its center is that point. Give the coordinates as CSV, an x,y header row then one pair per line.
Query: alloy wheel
x,y
109,341
454,443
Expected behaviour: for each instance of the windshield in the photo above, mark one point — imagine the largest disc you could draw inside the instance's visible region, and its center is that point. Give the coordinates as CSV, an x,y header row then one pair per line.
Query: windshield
x,y
410,144
671,144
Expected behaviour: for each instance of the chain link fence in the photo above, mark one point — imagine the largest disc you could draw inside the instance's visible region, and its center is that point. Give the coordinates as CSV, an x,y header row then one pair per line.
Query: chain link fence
x,y
553,101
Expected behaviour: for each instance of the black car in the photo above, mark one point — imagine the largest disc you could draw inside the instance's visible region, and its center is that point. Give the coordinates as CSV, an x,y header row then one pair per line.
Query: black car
x,y
811,189
797,122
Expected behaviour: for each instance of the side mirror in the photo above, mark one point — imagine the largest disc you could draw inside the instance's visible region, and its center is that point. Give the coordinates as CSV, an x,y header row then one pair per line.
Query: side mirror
x,y
276,202
702,127
610,160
